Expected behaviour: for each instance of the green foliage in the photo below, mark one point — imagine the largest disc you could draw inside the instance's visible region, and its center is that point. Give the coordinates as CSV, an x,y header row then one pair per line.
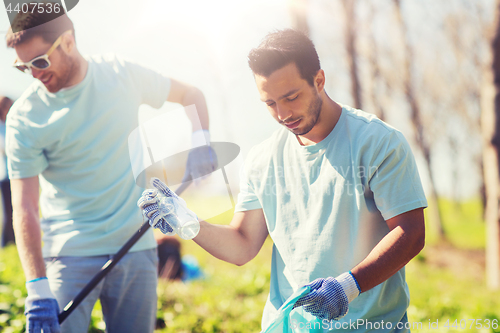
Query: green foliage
x,y
463,223
440,294
452,286
12,292
228,299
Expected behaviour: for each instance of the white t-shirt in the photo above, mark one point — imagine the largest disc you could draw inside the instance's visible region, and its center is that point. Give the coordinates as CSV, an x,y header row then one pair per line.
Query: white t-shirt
x,y
326,204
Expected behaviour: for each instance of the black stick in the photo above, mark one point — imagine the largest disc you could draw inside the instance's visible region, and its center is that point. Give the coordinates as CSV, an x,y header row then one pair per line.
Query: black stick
x,y
108,266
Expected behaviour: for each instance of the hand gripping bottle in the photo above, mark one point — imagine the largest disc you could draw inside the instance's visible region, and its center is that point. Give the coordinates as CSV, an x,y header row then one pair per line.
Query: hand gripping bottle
x,y
179,217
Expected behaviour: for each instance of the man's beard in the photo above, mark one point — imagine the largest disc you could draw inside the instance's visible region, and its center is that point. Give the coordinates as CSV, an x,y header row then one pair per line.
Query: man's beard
x,y
313,112
66,73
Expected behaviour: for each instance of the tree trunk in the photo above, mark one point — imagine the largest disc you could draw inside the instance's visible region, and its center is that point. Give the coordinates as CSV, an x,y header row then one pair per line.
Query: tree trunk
x,y
299,10
491,134
490,167
417,123
352,53
375,71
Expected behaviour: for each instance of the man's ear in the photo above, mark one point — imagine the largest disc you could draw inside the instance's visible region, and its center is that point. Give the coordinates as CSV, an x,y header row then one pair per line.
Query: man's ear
x,y
319,80
68,43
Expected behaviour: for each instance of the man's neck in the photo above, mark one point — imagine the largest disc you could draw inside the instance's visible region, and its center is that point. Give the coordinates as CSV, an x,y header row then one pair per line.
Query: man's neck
x,y
81,67
328,118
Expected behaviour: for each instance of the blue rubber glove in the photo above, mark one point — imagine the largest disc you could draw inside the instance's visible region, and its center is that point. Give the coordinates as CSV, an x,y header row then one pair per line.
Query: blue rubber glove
x,y
41,308
202,159
329,298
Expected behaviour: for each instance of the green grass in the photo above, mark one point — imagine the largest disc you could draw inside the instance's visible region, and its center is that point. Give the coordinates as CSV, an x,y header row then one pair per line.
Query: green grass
x,y
228,299
12,292
231,298
439,294
463,223
453,289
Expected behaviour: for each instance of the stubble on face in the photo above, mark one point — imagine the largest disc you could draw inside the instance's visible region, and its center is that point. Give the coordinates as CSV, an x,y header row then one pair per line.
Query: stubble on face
x,y
66,69
313,112
63,66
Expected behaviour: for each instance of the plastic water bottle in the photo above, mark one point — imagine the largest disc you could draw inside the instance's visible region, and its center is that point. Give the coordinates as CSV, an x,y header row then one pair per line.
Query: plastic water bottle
x,y
182,220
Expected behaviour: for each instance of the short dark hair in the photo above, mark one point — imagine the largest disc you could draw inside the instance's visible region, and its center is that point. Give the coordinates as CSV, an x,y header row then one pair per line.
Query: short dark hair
x,y
27,25
281,48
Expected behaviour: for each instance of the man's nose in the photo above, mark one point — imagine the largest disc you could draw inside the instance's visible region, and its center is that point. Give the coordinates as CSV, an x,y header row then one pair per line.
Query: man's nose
x,y
283,112
36,73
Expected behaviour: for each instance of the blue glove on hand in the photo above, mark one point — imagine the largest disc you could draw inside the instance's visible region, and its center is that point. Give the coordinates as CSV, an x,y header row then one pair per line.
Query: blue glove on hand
x,y
148,202
202,159
41,308
329,298
168,212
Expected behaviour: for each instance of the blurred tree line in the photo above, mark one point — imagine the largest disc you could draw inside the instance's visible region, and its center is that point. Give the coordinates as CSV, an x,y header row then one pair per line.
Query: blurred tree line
x,y
436,64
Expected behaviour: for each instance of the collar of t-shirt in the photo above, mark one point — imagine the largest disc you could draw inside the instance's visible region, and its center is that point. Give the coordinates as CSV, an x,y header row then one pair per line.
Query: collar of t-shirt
x,y
315,148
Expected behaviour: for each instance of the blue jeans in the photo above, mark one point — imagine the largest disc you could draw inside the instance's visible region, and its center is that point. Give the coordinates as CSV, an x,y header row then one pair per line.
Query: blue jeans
x,y
127,294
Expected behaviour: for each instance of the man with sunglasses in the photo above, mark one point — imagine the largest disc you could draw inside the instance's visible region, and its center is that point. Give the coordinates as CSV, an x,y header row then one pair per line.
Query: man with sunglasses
x,y
68,134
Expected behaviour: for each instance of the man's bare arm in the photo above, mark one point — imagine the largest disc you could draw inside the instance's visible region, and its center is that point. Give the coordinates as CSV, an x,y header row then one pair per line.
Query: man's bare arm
x,y
25,195
185,95
404,241
237,243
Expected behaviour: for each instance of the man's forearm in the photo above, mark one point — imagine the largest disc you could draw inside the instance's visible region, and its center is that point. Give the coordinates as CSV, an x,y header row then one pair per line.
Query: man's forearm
x,y
25,195
237,243
392,253
224,242
198,117
29,245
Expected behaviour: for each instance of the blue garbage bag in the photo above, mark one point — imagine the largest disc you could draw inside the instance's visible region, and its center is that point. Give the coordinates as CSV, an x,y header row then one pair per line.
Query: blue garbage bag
x,y
289,320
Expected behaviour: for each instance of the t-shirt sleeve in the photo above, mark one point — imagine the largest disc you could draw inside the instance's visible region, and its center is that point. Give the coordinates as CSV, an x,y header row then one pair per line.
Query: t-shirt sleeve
x,y
395,183
153,87
247,198
24,158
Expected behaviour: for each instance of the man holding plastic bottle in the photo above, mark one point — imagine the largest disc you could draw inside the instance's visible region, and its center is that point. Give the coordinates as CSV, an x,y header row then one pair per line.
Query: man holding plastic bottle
x,y
68,134
337,190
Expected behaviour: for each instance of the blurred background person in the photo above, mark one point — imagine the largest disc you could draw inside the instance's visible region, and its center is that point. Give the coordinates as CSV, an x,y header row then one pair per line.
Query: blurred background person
x,y
7,229
169,257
